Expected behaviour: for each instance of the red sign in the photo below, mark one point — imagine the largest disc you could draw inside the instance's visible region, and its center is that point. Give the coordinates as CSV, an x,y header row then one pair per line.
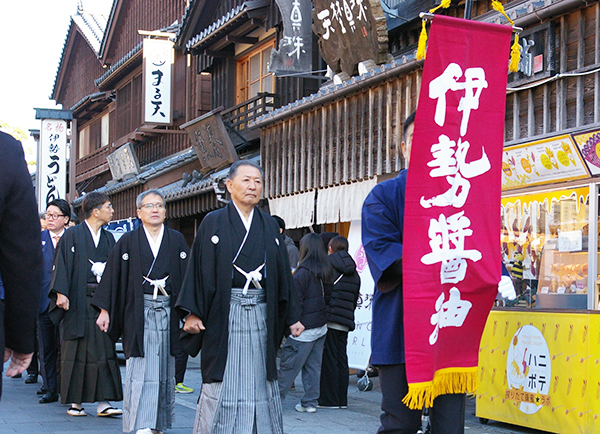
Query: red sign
x,y
452,256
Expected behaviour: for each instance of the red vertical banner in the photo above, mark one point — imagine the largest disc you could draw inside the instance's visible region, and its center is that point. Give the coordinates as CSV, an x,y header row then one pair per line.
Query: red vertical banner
x,y
452,214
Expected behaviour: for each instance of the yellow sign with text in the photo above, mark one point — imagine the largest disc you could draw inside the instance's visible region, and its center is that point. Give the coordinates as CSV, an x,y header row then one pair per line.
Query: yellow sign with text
x,y
541,370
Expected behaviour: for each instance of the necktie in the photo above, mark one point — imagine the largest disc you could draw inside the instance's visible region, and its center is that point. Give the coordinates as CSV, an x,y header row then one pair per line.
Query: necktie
x,y
56,238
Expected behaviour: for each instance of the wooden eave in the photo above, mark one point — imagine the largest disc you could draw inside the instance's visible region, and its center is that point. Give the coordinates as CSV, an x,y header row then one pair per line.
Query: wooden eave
x,y
92,106
194,20
237,24
130,62
68,50
111,31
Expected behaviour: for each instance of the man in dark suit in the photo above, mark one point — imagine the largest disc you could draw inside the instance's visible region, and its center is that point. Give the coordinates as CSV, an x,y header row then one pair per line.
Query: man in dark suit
x,y
20,257
58,213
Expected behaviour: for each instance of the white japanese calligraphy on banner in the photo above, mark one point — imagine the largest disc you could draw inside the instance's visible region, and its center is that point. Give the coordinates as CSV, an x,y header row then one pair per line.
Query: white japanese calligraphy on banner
x,y
52,163
447,234
158,64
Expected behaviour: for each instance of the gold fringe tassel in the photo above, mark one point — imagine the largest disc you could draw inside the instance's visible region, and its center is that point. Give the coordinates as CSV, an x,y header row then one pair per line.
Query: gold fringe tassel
x,y
421,47
422,42
515,49
515,55
445,381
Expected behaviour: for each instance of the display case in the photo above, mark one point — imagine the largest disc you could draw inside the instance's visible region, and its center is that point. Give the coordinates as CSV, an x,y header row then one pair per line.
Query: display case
x,y
563,275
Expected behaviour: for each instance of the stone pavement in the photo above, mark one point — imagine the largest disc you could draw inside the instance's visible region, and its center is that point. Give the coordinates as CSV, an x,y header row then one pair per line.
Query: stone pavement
x,y
20,412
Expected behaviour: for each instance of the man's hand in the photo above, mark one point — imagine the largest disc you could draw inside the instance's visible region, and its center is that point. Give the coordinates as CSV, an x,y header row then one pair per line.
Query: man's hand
x,y
103,320
297,329
18,362
193,325
506,288
62,301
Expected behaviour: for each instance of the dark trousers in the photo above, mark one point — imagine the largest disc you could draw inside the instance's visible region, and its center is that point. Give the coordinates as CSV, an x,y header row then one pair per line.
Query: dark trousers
x,y
334,370
181,359
33,368
49,350
447,414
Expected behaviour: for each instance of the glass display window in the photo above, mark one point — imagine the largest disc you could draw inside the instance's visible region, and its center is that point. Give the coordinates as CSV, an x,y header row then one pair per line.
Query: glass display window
x,y
544,238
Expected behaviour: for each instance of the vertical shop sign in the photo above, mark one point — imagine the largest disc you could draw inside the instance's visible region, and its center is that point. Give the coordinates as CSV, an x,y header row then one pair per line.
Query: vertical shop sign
x,y
359,340
295,47
52,164
158,64
350,31
452,257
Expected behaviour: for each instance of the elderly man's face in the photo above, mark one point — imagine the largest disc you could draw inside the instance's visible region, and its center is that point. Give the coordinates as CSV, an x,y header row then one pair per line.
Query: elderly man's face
x,y
153,211
246,187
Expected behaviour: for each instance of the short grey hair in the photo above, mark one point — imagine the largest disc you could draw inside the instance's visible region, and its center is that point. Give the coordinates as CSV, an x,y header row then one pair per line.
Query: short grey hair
x,y
140,199
235,166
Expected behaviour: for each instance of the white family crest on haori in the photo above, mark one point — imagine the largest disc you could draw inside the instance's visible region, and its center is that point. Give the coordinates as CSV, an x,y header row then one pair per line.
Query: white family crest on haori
x,y
215,239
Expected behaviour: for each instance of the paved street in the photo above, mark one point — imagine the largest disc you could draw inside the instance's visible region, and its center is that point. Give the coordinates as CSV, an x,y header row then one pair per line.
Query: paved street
x,y
21,413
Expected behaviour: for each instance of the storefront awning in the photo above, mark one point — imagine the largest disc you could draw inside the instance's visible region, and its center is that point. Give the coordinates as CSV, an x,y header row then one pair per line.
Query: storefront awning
x,y
343,203
298,210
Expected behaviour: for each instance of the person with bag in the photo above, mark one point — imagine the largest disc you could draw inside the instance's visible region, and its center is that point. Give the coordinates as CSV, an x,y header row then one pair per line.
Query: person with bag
x,y
305,352
341,299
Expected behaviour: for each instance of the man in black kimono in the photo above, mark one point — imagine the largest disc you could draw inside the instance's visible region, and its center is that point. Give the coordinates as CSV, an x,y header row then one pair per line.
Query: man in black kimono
x,y
89,371
238,296
139,287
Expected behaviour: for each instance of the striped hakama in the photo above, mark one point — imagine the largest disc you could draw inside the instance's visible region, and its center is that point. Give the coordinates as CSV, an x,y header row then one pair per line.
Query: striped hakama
x,y
89,368
245,402
149,400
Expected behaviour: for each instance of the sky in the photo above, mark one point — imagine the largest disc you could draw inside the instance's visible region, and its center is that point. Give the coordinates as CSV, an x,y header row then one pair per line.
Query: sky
x,y
32,35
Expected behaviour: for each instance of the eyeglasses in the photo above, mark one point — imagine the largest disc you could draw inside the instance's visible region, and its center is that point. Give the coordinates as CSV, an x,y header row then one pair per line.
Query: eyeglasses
x,y
54,216
158,206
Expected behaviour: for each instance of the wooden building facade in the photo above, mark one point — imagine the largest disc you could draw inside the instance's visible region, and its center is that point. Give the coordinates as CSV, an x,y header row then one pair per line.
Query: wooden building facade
x,y
350,133
100,79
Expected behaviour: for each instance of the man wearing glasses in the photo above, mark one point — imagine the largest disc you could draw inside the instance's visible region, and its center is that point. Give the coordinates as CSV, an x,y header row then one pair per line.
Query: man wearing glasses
x,y
58,213
140,287
89,371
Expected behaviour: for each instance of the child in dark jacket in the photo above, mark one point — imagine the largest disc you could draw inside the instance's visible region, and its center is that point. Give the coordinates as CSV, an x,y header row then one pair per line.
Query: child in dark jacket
x,y
341,299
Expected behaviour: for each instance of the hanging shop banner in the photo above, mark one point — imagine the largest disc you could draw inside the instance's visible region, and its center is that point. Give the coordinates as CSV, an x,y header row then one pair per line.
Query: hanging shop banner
x,y
52,163
359,340
211,141
350,32
542,162
295,46
540,370
451,257
589,146
158,64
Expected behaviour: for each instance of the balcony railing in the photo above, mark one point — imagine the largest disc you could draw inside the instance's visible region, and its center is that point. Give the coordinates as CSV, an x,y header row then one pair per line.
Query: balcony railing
x,y
92,164
239,115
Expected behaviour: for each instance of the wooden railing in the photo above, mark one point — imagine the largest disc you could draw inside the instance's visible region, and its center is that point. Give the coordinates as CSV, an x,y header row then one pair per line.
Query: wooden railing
x,y
92,164
239,115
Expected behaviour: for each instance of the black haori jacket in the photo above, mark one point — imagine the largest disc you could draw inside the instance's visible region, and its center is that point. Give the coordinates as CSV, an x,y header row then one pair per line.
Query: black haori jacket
x,y
70,276
206,290
121,292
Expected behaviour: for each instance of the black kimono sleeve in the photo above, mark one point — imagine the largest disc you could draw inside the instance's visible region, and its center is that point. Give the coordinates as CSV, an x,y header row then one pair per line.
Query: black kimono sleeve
x,y
64,260
110,294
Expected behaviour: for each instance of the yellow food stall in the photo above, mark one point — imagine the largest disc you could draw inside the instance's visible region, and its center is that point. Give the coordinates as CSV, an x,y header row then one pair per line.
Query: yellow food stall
x,y
539,361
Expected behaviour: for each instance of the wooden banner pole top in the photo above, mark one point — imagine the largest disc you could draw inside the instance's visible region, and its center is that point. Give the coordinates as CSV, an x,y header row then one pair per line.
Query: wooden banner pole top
x,y
428,16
